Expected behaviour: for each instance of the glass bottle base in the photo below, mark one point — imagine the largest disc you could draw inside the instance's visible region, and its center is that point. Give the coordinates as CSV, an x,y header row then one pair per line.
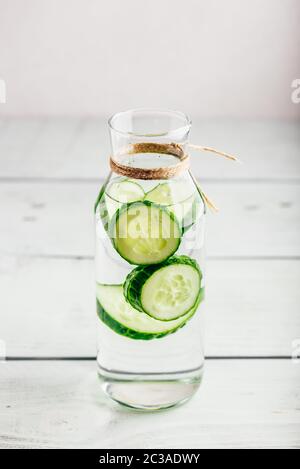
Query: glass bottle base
x,y
150,392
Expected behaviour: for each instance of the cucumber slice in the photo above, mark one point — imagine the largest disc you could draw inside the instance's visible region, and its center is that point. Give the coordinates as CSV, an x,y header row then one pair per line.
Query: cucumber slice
x,y
144,233
166,291
112,197
121,192
174,196
116,313
167,193
126,191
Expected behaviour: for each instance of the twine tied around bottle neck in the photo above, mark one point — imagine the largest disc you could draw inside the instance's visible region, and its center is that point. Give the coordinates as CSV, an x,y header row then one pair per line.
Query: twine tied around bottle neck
x,y
119,166
163,172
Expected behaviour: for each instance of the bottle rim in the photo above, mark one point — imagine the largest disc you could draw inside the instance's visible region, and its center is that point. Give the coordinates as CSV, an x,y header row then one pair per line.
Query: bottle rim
x,y
186,121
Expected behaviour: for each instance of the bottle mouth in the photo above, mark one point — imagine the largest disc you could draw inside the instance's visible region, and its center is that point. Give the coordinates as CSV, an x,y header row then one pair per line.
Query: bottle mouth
x,y
149,123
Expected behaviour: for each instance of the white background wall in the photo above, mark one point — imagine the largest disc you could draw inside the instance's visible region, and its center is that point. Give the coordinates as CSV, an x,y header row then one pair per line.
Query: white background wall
x,y
94,57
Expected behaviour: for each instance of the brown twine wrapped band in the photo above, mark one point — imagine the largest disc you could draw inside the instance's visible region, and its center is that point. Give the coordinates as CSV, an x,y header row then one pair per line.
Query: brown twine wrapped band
x,y
166,172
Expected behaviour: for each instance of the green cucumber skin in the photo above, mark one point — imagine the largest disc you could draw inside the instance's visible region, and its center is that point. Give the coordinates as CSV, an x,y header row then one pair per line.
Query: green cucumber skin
x,y
99,197
137,335
137,277
133,282
124,208
100,205
122,330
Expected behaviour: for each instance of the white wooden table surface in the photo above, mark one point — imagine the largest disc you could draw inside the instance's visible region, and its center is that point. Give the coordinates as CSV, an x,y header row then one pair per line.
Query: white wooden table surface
x,y
50,173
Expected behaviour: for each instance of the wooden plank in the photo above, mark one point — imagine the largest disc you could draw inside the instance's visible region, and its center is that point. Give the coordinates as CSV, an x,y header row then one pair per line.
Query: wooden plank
x,y
47,307
241,404
54,148
57,219
79,148
254,220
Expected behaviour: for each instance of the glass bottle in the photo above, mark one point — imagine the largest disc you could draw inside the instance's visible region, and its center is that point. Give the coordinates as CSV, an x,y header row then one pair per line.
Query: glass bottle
x,y
149,221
